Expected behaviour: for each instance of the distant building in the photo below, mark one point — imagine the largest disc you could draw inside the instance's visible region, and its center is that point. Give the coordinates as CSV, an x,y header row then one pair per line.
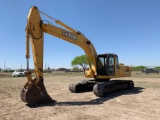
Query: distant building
x,y
61,69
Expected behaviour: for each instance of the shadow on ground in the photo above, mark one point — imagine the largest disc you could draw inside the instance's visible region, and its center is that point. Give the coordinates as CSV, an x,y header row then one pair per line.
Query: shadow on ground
x,y
96,101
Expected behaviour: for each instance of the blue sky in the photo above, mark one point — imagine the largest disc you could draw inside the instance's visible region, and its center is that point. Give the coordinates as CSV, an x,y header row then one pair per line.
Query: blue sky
x,y
128,28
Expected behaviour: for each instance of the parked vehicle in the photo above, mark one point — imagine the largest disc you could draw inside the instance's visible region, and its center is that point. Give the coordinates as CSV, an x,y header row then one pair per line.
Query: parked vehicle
x,y
18,74
150,70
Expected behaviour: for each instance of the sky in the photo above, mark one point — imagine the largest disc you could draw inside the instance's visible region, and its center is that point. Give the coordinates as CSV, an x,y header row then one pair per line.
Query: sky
x,y
128,28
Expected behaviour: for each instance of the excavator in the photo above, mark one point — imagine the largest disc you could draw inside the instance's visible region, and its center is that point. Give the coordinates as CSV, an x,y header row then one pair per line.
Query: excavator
x,y
102,67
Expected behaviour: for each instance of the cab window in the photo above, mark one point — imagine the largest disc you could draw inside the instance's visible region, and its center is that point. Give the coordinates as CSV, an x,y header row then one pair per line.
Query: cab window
x,y
117,63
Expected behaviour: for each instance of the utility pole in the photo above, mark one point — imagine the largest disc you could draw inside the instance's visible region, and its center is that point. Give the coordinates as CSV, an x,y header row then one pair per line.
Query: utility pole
x,y
4,65
21,66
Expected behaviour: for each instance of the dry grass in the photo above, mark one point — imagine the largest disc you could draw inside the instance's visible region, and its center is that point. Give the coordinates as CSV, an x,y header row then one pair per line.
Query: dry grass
x,y
139,74
141,103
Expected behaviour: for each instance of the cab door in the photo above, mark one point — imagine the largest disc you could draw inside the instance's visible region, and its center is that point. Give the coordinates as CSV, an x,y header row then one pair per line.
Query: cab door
x,y
111,65
117,69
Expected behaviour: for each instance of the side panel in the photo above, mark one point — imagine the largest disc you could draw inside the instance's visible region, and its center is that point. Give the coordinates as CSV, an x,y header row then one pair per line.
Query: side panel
x,y
125,71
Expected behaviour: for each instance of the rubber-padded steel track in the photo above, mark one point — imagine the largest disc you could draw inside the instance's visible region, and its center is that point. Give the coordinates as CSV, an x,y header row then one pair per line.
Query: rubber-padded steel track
x,y
104,88
82,86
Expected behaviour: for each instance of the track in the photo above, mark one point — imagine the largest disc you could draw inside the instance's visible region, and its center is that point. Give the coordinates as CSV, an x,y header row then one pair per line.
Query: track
x,y
104,88
82,86
101,89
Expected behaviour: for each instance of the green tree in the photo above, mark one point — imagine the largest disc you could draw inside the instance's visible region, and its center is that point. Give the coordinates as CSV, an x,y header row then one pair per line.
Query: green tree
x,y
81,61
158,68
76,69
138,68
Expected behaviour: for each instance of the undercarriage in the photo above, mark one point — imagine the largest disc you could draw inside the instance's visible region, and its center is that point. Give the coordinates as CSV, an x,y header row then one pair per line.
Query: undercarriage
x,y
101,89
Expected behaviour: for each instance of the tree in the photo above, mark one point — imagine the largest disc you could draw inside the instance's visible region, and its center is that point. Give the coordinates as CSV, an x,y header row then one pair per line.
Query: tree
x,y
138,68
158,68
75,68
81,61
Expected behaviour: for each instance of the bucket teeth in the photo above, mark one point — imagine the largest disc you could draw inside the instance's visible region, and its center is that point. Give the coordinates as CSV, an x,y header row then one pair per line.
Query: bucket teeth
x,y
36,93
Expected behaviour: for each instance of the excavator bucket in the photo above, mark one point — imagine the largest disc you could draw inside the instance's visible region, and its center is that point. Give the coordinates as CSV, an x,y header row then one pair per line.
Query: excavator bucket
x,y
35,93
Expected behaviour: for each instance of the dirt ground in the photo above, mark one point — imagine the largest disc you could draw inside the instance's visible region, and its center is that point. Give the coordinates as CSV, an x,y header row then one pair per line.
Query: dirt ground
x,y
141,103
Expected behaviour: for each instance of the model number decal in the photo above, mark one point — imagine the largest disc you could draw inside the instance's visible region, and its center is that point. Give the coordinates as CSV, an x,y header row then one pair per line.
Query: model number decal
x,y
69,35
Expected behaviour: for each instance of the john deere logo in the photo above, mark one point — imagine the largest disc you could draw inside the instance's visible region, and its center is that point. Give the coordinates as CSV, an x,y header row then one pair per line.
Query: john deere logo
x,y
69,35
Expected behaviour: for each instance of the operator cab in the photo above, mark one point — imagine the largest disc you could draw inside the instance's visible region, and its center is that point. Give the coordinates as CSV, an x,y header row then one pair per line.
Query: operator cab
x,y
106,64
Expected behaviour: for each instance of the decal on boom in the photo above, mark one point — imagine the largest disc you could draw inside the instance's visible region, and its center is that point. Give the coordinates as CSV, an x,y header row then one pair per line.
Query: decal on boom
x,y
69,35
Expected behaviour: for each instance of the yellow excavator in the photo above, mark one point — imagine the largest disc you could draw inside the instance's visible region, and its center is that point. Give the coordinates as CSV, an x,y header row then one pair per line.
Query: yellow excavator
x,y
102,67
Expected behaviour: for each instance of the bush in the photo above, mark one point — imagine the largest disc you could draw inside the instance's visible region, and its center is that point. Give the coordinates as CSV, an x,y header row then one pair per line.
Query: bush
x,y
8,71
157,68
138,68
